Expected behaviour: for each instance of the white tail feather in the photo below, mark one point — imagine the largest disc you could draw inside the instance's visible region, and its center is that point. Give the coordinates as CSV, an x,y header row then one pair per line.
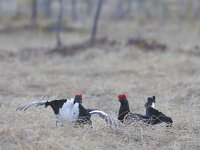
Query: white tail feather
x,y
112,121
26,106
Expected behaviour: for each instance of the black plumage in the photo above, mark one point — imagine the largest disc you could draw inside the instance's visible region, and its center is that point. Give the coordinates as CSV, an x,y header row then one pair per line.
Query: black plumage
x,y
155,116
124,111
151,117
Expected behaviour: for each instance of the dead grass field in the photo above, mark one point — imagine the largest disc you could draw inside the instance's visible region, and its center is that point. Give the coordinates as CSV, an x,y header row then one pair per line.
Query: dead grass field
x,y
173,76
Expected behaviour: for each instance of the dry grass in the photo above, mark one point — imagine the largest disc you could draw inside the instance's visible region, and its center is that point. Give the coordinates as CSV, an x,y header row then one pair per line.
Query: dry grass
x,y
173,76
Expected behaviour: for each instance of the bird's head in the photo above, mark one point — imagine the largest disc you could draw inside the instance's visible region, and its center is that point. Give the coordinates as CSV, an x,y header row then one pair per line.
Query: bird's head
x,y
122,97
78,98
150,102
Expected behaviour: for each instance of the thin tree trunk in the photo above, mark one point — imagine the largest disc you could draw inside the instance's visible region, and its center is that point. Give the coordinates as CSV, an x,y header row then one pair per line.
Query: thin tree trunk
x,y
47,8
59,24
73,10
96,19
129,6
34,12
119,9
89,7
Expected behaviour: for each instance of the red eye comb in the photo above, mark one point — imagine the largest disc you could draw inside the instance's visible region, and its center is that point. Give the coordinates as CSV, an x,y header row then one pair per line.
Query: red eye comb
x,y
79,94
122,96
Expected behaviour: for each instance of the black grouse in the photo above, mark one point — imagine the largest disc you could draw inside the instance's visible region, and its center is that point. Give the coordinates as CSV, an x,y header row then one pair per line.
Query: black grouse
x,y
152,116
155,116
124,112
71,110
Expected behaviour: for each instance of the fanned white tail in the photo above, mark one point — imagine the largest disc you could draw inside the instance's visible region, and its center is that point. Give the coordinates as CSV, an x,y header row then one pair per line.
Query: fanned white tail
x,y
27,105
111,121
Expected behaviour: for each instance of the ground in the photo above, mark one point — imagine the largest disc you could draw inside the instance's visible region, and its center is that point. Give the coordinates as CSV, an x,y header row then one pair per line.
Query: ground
x,y
28,73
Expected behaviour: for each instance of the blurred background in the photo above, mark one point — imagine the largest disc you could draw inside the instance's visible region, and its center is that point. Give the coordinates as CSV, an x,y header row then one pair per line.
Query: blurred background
x,y
96,35
59,18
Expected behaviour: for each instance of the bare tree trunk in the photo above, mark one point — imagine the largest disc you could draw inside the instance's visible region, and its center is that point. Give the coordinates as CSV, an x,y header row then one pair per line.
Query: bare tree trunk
x,y
73,10
198,10
164,11
96,19
140,8
47,8
89,7
59,24
119,9
129,6
34,12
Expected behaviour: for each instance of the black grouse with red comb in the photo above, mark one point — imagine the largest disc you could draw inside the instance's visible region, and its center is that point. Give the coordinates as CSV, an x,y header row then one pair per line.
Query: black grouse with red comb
x,y
71,110
124,111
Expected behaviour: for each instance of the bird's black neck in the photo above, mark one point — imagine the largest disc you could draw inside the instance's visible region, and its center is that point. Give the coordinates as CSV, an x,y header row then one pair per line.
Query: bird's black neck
x,y
83,111
77,99
150,112
84,115
123,110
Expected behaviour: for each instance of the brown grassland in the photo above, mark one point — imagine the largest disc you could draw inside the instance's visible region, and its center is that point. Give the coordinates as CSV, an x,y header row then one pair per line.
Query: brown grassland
x,y
27,73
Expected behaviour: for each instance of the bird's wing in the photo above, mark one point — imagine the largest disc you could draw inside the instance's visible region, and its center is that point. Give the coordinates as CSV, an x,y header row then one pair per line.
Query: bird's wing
x,y
162,118
89,110
130,117
27,105
112,121
153,112
156,117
